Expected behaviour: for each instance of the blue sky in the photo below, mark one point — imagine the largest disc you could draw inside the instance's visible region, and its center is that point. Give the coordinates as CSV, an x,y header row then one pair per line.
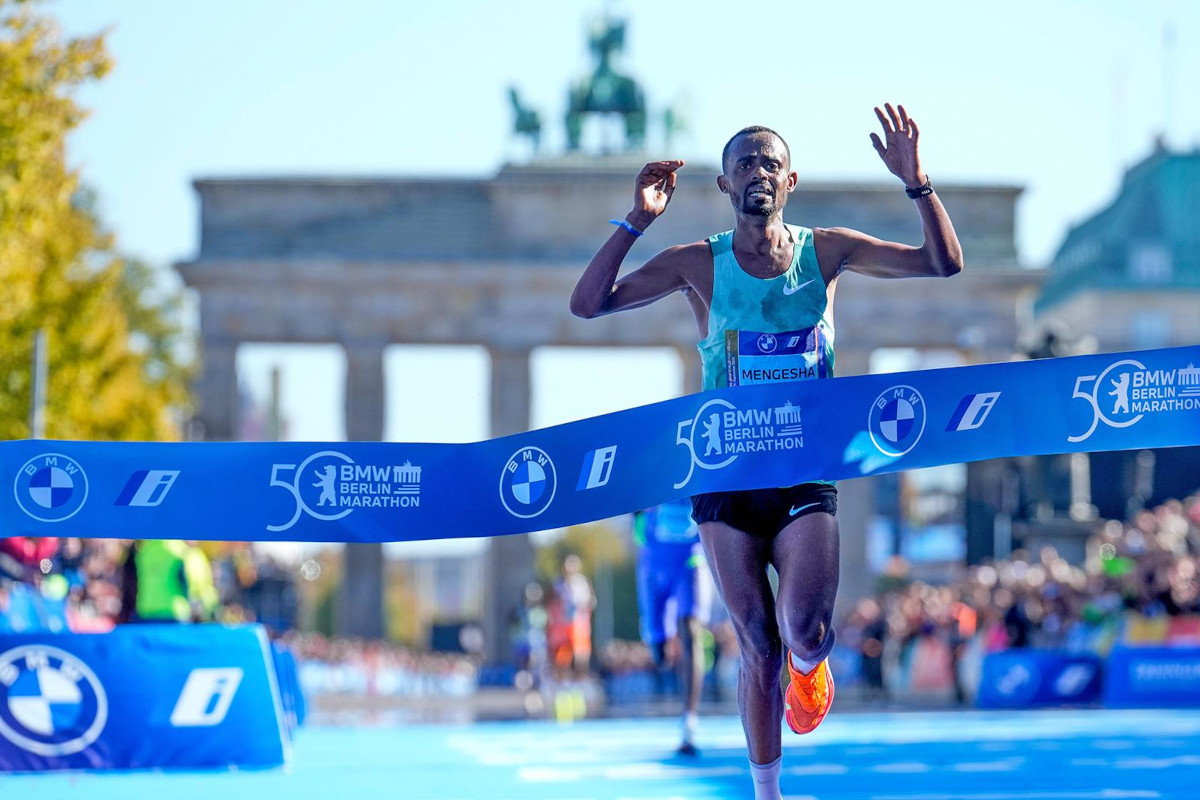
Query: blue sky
x,y
1054,95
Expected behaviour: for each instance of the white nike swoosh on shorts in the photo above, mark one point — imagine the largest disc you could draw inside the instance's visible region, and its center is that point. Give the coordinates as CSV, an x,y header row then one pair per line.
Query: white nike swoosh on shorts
x,y
794,511
790,290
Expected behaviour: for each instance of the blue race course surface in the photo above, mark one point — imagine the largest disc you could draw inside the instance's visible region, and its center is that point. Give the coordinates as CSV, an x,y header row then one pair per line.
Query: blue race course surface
x,y
1026,755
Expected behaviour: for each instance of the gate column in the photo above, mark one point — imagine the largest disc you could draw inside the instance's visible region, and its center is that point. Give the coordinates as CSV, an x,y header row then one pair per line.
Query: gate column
x,y
508,564
360,606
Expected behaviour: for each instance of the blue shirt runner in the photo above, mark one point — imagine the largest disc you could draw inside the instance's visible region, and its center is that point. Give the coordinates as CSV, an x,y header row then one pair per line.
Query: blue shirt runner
x,y
726,439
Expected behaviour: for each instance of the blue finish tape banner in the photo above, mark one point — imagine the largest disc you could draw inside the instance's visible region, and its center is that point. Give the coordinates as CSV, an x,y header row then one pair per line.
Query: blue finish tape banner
x,y
140,696
1153,676
1026,678
736,438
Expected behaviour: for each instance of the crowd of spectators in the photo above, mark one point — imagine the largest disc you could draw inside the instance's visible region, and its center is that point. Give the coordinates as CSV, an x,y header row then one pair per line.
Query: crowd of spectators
x,y
1139,582
60,584
376,668
90,585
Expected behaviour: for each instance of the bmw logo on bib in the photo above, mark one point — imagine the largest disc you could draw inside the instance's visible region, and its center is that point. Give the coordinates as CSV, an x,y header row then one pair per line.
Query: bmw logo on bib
x,y
51,703
528,483
897,420
51,487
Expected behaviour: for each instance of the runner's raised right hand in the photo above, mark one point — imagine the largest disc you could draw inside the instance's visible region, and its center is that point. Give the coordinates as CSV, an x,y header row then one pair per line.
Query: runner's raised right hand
x,y
655,185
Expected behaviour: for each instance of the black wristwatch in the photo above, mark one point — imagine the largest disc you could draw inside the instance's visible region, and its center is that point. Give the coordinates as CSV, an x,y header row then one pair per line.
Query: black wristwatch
x,y
920,191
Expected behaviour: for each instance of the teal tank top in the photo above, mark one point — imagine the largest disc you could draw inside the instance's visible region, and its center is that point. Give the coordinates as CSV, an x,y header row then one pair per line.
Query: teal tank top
x,y
766,331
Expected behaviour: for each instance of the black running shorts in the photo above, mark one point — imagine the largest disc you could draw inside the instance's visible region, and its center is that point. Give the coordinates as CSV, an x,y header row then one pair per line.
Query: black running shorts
x,y
764,512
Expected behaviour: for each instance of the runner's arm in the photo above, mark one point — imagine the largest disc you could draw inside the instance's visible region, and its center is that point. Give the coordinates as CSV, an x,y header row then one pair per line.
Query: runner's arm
x,y
844,249
853,251
598,291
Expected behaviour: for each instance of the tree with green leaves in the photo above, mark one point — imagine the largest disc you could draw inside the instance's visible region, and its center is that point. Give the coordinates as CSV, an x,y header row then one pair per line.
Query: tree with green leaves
x,y
118,357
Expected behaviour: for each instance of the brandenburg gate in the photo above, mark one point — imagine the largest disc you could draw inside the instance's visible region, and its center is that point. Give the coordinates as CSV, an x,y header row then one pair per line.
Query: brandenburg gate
x,y
367,263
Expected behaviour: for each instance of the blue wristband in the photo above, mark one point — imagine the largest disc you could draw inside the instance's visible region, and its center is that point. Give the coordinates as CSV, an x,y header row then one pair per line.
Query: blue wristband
x,y
623,224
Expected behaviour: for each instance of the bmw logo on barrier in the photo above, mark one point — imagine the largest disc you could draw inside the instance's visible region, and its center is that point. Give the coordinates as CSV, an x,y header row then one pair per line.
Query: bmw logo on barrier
x,y
528,482
1019,682
51,703
897,420
51,487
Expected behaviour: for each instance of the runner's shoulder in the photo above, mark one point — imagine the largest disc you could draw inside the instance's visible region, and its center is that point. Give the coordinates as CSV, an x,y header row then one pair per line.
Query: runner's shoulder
x,y
688,260
832,246
832,237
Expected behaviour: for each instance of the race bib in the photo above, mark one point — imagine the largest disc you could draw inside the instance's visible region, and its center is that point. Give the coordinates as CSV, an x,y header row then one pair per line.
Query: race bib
x,y
752,357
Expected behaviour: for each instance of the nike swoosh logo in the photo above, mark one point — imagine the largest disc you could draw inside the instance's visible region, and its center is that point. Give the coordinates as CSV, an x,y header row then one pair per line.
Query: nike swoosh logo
x,y
790,290
794,511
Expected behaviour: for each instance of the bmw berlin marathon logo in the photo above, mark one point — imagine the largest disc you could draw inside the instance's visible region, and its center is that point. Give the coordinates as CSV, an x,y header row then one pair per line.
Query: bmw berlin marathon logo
x,y
528,483
51,487
329,485
51,703
897,420
720,432
1126,391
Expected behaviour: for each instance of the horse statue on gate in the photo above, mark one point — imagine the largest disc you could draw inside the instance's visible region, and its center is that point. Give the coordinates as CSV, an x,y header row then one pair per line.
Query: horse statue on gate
x,y
527,122
606,91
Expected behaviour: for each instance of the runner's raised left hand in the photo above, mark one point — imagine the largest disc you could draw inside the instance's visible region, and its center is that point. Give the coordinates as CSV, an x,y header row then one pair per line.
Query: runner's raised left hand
x,y
901,133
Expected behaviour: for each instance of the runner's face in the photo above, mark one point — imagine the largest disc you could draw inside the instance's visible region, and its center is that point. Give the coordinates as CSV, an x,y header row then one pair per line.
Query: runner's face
x,y
758,176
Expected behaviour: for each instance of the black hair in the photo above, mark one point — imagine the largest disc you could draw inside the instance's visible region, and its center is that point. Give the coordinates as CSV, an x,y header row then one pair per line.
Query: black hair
x,y
752,129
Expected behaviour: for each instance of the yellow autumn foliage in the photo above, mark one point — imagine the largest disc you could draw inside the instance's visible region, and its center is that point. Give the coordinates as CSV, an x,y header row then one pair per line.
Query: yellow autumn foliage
x,y
117,355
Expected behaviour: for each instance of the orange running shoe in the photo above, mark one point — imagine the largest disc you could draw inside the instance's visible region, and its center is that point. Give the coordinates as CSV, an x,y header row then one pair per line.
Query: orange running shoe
x,y
808,697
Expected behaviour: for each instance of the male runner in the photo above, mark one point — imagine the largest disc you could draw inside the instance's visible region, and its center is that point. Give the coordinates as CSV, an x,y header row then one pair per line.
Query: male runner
x,y
669,567
768,277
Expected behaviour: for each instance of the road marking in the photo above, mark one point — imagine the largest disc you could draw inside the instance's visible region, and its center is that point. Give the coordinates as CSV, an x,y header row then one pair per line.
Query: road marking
x,y
817,769
1157,763
625,772
1004,765
1103,794
905,767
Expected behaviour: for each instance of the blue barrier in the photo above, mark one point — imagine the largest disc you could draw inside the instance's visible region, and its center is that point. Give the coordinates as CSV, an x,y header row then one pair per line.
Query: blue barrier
x,y
1024,678
295,709
140,696
29,610
1152,676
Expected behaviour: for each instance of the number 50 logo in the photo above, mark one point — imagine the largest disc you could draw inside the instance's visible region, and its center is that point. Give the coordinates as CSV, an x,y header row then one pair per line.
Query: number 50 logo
x,y
313,486
1109,390
701,435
